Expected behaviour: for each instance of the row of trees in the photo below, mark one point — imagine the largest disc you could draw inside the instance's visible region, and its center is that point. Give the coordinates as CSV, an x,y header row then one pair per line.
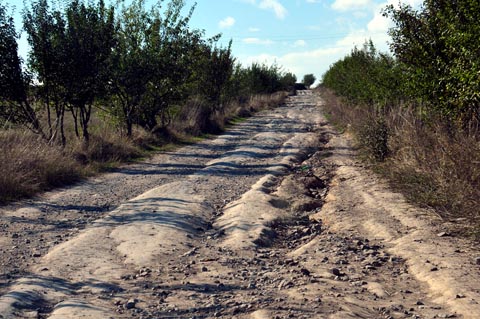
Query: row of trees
x,y
366,76
436,62
438,50
136,64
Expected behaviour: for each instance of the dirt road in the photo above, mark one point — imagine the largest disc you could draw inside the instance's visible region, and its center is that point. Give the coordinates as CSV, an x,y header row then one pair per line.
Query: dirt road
x,y
274,219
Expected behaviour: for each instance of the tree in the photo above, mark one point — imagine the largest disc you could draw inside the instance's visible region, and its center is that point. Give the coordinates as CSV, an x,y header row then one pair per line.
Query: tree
x,y
438,46
308,80
288,81
46,35
152,62
89,40
15,106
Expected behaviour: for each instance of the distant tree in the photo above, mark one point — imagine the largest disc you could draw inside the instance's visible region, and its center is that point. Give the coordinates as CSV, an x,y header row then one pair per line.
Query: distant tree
x,y
288,81
308,80
15,106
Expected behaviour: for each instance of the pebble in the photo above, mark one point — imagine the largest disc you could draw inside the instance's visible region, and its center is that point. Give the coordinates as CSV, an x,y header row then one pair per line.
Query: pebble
x,y
130,304
31,314
305,272
336,272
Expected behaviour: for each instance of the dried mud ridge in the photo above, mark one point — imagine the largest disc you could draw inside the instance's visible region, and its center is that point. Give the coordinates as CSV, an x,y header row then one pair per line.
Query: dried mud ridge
x,y
274,219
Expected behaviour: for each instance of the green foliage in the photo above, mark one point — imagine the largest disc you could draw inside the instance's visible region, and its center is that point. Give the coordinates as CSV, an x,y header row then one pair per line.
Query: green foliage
x,y
14,104
308,80
140,64
366,76
438,46
261,79
88,42
288,81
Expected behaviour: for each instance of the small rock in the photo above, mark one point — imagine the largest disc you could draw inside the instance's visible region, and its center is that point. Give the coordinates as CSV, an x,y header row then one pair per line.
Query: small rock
x,y
477,260
15,235
443,234
305,271
31,314
460,296
434,269
36,254
130,304
204,269
336,272
285,284
447,315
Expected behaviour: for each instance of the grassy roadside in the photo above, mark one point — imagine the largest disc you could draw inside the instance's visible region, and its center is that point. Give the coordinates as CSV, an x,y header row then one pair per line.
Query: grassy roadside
x,y
29,165
432,164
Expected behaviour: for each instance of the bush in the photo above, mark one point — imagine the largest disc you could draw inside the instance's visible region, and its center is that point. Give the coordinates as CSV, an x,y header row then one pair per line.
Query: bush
x,y
373,137
434,164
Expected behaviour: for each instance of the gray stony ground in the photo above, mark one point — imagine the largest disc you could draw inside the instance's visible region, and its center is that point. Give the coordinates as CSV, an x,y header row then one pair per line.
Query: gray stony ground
x,y
274,219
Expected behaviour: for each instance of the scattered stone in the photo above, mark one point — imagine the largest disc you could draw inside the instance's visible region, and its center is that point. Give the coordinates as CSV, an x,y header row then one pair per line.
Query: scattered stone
x,y
460,296
31,314
443,234
477,260
336,272
305,272
130,304
285,284
447,315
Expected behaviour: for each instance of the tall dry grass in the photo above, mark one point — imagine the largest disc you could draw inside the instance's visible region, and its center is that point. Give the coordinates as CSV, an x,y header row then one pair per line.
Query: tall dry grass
x,y
196,116
29,165
433,162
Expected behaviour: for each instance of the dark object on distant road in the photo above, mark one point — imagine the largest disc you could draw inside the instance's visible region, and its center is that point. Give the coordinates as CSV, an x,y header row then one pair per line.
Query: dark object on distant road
x,y
300,86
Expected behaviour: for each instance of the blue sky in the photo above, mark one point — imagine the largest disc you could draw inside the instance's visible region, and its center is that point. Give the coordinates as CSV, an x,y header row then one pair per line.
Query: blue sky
x,y
302,36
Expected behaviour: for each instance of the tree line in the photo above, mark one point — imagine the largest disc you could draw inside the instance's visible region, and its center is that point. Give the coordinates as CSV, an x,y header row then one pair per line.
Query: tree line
x,y
135,63
436,62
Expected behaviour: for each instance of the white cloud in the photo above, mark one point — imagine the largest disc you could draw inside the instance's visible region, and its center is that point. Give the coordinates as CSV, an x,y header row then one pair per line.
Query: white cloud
x,y
251,29
318,60
314,1
273,5
257,41
299,43
345,5
226,23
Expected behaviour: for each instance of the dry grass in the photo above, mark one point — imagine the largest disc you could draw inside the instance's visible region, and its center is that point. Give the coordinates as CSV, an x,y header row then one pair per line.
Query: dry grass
x,y
433,164
196,118
29,165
